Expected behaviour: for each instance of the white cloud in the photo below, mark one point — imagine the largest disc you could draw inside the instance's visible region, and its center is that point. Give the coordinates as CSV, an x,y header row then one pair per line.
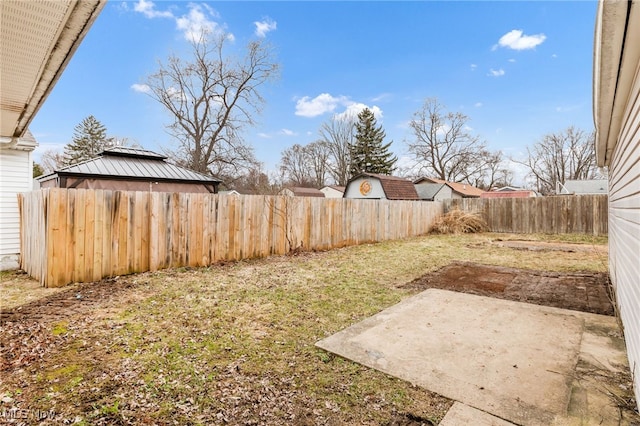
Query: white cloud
x,y
554,56
288,132
511,60
354,108
141,88
148,9
381,97
264,135
264,26
515,40
473,67
197,23
496,73
477,104
323,103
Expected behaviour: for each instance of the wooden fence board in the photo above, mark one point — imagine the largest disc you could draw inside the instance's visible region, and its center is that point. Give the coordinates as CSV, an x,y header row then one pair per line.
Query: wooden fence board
x,y
85,235
574,214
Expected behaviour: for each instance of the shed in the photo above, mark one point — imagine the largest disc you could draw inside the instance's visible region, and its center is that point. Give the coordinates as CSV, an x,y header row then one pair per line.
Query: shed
x,y
333,191
377,186
616,102
299,191
38,39
463,190
130,169
434,191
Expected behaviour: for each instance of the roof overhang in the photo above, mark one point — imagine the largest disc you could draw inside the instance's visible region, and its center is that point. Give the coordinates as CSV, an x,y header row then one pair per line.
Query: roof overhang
x,y
37,40
616,56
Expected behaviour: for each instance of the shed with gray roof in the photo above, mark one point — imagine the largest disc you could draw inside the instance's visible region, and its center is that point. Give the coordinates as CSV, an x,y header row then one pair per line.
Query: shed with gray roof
x,y
585,187
435,191
130,169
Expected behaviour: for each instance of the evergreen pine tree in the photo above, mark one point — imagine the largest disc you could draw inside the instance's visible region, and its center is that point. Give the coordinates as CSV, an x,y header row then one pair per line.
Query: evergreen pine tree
x,y
89,139
368,153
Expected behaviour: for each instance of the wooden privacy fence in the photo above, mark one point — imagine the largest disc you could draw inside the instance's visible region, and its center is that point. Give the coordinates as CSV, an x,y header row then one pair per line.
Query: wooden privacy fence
x,y
571,214
76,235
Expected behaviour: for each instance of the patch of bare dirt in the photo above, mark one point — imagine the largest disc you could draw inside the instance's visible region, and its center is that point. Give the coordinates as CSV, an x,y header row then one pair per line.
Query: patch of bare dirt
x,y
76,299
547,246
587,292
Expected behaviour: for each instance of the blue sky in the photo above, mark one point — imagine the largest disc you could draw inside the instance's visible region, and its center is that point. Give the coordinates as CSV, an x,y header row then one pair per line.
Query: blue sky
x,y
518,69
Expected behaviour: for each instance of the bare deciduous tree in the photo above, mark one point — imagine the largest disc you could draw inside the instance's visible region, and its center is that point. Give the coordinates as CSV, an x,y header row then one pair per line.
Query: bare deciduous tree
x,y
561,156
255,181
493,172
294,166
338,134
443,145
211,98
306,165
52,160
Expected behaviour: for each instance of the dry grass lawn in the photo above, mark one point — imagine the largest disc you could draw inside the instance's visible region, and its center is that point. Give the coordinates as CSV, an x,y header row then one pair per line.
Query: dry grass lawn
x,y
234,343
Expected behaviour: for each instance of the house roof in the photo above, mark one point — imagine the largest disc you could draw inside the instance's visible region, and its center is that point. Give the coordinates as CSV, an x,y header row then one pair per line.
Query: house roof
x,y
395,188
590,186
463,189
507,189
337,188
427,191
299,191
140,164
523,193
38,39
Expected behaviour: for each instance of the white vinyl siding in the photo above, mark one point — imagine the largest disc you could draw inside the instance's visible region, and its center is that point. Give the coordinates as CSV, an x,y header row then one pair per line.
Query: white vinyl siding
x,y
624,226
16,170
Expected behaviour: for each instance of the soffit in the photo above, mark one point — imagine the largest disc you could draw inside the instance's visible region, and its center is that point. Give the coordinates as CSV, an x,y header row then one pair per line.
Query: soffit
x,y
37,39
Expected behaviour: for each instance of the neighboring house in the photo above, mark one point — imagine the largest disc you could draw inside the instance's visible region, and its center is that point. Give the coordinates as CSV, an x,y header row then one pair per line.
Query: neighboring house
x,y
521,193
229,192
38,39
375,186
616,100
16,168
507,189
435,191
584,187
130,169
333,191
463,190
298,191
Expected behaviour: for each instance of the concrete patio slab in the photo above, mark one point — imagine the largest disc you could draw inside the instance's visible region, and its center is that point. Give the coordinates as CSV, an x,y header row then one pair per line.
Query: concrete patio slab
x,y
514,360
463,415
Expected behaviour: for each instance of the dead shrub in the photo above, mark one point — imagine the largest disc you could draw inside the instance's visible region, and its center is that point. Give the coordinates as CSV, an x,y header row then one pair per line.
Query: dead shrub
x,y
459,222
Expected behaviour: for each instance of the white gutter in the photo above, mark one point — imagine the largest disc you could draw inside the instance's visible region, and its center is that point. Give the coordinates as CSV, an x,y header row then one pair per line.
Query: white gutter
x,y
25,143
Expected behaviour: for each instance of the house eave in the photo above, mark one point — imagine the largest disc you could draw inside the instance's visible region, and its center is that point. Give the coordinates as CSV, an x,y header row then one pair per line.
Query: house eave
x,y
19,109
616,55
